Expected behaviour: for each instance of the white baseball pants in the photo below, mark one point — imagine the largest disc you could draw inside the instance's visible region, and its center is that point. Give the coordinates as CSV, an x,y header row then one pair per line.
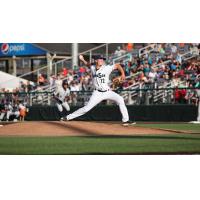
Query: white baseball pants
x,y
9,113
2,116
65,105
96,98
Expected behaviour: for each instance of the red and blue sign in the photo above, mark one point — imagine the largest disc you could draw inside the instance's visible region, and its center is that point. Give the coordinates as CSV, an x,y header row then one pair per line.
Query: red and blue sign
x,y
20,49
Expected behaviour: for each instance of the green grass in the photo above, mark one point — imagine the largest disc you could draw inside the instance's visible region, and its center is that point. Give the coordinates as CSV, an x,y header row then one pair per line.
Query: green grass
x,y
154,144
181,126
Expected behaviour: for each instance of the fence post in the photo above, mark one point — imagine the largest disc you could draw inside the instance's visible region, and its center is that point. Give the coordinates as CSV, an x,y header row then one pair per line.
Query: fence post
x,y
30,100
48,95
140,87
129,98
147,98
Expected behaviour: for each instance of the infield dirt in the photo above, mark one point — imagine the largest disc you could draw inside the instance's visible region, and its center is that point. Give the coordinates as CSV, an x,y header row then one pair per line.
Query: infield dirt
x,y
75,128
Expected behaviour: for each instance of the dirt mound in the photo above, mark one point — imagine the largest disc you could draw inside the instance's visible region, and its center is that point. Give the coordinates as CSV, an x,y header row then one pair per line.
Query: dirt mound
x,y
74,128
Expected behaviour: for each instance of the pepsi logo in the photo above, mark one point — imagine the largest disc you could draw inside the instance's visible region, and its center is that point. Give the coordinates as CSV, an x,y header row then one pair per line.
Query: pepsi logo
x,y
5,48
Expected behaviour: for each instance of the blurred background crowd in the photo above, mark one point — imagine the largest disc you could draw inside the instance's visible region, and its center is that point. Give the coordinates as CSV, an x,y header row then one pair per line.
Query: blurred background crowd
x,y
158,67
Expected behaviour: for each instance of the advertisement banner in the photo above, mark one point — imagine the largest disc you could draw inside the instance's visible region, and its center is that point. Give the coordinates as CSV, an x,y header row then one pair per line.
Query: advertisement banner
x,y
20,49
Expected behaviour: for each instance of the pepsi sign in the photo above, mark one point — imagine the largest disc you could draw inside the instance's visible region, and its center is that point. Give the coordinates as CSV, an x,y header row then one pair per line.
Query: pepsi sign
x,y
20,49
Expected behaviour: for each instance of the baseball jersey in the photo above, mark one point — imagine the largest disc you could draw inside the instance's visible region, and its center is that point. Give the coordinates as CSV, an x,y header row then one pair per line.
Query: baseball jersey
x,y
101,76
62,93
8,107
21,106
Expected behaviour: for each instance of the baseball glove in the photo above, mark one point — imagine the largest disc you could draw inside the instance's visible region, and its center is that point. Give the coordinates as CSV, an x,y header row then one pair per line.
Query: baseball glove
x,y
117,81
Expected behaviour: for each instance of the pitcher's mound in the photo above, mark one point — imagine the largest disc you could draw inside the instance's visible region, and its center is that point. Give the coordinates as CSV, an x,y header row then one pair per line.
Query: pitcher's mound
x,y
74,128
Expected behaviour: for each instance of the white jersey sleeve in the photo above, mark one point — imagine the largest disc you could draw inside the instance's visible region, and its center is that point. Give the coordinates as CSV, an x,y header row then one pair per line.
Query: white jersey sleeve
x,y
110,68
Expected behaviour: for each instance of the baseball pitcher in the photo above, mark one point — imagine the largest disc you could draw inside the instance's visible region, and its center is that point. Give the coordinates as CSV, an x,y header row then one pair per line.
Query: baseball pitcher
x,y
100,73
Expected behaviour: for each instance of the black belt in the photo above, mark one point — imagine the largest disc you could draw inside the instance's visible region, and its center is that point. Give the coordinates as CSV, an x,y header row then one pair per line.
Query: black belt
x,y
102,90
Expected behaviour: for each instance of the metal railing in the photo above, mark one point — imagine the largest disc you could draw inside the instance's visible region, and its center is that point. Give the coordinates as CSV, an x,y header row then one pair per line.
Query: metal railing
x,y
160,64
190,54
146,50
126,57
139,95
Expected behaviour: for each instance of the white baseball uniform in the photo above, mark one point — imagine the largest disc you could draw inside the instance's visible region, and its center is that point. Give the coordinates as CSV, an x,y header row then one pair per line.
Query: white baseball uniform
x,y
61,96
102,92
12,110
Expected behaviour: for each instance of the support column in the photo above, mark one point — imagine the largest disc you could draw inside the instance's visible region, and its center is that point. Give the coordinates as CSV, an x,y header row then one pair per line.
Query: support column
x,y
49,65
14,65
74,55
7,66
107,52
32,77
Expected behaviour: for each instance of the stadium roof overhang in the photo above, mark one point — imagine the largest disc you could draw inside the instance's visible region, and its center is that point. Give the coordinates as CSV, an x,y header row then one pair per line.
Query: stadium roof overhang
x,y
26,50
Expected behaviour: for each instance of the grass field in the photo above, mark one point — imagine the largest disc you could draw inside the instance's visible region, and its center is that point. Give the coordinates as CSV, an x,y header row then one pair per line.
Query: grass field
x,y
181,126
142,144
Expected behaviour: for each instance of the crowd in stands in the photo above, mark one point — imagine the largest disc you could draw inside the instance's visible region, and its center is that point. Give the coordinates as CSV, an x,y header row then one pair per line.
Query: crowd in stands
x,y
162,65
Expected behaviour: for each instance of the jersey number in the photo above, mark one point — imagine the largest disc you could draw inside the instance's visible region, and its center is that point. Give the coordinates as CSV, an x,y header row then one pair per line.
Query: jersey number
x,y
102,80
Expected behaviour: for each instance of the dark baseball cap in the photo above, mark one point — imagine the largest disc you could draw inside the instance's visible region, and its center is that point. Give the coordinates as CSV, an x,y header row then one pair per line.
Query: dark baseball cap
x,y
99,57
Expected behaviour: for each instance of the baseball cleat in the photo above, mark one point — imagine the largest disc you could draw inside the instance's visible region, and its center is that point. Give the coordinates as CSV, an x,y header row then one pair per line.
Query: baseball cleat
x,y
128,123
63,119
194,122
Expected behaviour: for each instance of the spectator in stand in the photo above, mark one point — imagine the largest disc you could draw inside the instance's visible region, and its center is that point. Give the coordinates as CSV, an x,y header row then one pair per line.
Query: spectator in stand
x,y
152,75
64,71
74,89
41,80
127,69
82,71
58,81
143,78
146,69
175,81
150,60
70,77
161,49
178,58
129,47
119,52
52,80
29,87
173,66
174,50
22,86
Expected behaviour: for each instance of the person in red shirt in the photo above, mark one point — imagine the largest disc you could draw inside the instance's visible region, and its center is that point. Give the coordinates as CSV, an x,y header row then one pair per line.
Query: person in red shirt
x,y
65,71
129,47
82,71
41,80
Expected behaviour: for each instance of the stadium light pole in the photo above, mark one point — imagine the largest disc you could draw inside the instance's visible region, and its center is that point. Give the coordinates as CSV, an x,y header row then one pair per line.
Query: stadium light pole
x,y
74,55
